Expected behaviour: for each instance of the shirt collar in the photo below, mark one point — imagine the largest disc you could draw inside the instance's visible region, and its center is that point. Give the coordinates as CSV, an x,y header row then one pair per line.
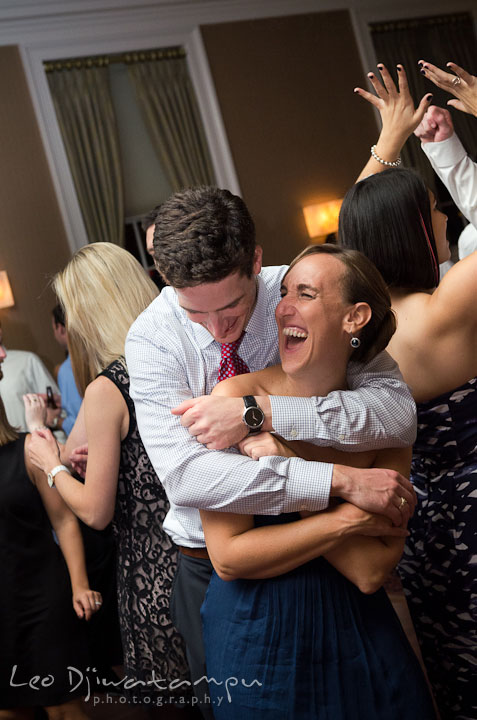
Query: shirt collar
x,y
256,325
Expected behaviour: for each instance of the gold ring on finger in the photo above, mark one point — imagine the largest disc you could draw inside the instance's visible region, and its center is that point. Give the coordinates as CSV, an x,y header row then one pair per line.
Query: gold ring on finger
x,y
402,503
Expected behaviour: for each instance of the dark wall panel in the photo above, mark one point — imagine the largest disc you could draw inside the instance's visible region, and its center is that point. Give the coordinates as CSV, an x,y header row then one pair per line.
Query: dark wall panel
x,y
33,243
297,132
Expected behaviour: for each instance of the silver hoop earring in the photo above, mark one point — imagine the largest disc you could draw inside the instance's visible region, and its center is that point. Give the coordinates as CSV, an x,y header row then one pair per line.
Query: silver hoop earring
x,y
355,342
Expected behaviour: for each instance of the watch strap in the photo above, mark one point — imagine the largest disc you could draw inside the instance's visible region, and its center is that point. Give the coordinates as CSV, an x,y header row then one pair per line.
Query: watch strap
x,y
52,474
250,402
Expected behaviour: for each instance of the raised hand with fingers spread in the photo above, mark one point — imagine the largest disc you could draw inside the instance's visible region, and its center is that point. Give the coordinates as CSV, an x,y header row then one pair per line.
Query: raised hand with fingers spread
x,y
461,84
399,116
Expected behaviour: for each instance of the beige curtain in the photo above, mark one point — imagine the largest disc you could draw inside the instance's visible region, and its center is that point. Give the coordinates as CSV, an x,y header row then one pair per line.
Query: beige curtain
x,y
436,39
85,113
166,98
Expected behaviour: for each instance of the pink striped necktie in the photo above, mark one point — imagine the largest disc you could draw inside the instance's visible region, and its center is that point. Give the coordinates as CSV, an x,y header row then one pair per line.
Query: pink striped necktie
x,y
230,362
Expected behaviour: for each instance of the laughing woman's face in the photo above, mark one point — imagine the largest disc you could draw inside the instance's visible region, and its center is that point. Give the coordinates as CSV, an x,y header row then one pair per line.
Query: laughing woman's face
x,y
310,315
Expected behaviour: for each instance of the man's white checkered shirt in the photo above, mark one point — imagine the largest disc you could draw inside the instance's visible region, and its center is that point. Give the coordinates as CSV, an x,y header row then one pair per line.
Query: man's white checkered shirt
x,y
171,359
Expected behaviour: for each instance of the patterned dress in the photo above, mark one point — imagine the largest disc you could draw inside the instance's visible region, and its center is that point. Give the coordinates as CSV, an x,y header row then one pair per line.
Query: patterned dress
x,y
153,649
439,566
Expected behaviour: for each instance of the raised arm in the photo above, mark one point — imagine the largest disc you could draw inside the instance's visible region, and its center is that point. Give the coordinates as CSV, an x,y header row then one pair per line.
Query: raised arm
x,y
461,84
106,421
448,325
64,523
449,159
398,115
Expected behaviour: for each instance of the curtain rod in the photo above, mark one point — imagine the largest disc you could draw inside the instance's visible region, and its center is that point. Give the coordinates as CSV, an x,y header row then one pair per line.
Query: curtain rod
x,y
393,25
128,58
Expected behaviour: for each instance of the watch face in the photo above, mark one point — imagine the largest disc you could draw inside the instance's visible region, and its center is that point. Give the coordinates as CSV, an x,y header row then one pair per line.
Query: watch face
x,y
50,479
253,417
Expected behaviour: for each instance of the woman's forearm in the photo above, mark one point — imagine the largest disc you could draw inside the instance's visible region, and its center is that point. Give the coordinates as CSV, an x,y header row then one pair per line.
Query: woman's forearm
x,y
365,561
273,550
269,551
71,544
87,504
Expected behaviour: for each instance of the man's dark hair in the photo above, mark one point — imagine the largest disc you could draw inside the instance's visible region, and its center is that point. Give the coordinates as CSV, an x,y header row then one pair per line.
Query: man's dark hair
x,y
202,235
388,217
150,218
58,315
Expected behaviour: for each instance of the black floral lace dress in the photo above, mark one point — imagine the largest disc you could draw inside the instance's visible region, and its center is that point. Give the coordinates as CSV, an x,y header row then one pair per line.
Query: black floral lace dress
x,y
154,653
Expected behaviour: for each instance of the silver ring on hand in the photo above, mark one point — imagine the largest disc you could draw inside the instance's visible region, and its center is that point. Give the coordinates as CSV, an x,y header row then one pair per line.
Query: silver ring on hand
x,y
98,602
402,503
456,80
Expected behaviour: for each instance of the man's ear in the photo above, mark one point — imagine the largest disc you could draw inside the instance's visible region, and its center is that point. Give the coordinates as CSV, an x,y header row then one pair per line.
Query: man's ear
x,y
257,260
357,317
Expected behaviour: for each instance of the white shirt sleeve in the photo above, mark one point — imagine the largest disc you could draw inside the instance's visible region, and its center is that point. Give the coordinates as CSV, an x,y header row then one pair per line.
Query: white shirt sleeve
x,y
457,171
195,477
380,413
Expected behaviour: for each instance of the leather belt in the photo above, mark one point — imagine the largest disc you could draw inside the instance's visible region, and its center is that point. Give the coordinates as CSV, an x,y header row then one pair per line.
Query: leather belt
x,y
194,552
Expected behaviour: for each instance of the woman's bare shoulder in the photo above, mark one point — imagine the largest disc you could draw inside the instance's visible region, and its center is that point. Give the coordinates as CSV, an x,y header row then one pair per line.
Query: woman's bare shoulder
x,y
262,382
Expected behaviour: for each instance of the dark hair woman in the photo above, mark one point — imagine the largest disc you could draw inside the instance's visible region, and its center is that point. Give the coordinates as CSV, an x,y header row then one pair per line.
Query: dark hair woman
x,y
303,629
393,219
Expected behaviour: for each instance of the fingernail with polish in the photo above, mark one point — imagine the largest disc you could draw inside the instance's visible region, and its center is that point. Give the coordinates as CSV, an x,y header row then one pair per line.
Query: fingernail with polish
x,y
399,68
422,71
429,98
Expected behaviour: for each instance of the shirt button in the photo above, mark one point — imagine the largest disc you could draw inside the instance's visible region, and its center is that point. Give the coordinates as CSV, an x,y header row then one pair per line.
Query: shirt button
x,y
341,437
294,434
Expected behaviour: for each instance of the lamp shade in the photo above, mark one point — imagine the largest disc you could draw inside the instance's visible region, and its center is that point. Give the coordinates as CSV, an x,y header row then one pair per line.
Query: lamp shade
x,y
6,295
322,218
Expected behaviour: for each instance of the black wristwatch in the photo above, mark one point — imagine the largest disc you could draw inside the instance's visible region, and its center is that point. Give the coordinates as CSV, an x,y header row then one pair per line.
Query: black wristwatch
x,y
253,415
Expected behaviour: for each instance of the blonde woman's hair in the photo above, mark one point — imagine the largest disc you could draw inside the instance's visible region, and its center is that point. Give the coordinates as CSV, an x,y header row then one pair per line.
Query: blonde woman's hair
x,y
7,432
103,289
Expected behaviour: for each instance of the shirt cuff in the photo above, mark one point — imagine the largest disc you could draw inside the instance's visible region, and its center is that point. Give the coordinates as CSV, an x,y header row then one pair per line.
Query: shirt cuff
x,y
293,418
445,153
308,485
